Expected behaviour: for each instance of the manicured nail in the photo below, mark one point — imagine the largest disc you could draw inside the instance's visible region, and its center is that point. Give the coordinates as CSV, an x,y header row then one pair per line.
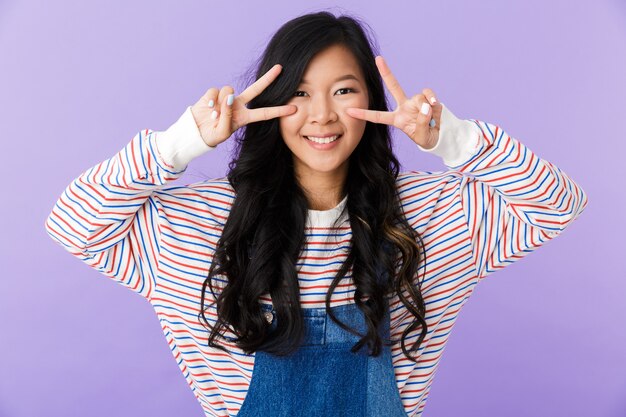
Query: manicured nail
x,y
425,107
211,103
214,115
432,123
230,99
433,100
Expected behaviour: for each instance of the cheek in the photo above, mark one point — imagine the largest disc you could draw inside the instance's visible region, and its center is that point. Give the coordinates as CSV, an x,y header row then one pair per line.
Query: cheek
x,y
354,123
359,101
289,124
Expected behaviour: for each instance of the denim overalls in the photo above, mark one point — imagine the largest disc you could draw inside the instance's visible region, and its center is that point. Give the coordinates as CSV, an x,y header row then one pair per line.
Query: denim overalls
x,y
323,377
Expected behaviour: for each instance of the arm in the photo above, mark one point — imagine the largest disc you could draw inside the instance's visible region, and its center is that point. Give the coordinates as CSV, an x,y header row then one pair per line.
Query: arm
x,y
513,200
108,217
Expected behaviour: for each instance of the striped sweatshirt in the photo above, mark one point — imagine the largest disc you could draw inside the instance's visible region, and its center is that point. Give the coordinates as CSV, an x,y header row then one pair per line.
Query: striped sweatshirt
x,y
496,203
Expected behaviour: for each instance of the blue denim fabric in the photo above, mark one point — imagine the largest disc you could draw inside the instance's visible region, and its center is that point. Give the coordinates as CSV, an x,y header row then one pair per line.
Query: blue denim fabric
x,y
323,378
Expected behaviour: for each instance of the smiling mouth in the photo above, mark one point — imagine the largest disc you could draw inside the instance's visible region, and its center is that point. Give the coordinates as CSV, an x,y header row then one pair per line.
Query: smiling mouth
x,y
323,140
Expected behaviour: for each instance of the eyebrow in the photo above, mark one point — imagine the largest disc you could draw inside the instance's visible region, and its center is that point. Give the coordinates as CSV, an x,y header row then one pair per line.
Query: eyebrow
x,y
342,78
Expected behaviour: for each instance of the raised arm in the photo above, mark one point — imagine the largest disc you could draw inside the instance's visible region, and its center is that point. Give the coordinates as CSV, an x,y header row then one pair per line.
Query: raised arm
x,y
111,216
108,217
513,200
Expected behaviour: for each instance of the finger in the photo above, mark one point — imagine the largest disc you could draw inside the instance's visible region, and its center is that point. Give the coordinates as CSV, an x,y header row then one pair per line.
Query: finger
x,y
424,117
266,113
224,123
210,97
430,96
261,84
224,92
435,104
437,112
390,81
221,99
373,116
205,101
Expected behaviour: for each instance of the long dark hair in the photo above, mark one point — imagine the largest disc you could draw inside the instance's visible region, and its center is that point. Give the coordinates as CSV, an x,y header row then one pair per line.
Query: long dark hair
x,y
264,233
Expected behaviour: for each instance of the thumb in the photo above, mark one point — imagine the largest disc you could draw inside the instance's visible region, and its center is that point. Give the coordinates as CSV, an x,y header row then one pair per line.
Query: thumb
x,y
437,108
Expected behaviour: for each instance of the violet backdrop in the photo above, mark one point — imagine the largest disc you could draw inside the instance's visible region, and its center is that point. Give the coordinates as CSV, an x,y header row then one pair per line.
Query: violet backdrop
x,y
543,337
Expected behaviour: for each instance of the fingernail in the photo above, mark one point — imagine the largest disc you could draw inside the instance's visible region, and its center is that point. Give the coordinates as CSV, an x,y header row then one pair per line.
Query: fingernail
x,y
230,99
432,123
425,107
211,103
433,100
214,115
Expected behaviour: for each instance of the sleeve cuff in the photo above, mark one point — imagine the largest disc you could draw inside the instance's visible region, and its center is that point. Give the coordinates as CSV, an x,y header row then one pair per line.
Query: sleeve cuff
x,y
181,142
459,140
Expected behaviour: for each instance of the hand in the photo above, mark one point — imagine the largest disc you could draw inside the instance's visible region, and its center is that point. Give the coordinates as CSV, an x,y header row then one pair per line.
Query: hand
x,y
407,116
225,121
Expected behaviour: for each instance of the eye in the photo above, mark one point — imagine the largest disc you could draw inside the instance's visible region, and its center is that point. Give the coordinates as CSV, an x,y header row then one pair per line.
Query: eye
x,y
348,89
352,90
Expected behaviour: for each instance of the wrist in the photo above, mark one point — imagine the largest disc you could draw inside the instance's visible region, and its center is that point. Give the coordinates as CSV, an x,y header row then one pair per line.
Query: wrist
x,y
181,142
459,139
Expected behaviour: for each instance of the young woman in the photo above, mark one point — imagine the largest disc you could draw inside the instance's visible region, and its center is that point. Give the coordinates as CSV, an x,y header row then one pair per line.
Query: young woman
x,y
313,279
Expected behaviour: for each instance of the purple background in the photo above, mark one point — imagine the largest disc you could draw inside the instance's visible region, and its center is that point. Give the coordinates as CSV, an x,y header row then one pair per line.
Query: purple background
x,y
544,337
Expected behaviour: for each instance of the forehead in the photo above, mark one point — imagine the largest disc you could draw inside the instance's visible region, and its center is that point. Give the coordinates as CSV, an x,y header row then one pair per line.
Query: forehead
x,y
331,64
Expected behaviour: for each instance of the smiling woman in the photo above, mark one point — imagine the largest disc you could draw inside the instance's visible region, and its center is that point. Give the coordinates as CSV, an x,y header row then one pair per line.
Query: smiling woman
x,y
315,278
321,124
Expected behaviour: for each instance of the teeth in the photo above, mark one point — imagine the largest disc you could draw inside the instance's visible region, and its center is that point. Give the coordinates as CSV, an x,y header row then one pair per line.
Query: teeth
x,y
322,140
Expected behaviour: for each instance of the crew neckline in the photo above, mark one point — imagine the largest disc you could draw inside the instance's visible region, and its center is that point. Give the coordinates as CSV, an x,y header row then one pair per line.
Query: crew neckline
x,y
326,217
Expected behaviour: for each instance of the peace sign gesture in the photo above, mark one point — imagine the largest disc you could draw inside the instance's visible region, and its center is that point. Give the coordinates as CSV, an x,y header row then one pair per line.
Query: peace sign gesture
x,y
218,125
412,116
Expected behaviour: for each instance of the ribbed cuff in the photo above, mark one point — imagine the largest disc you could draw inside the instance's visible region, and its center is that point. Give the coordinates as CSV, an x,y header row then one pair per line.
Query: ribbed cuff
x,y
181,142
459,140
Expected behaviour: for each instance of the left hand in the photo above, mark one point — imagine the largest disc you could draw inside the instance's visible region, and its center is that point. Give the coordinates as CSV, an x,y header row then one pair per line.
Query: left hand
x,y
407,116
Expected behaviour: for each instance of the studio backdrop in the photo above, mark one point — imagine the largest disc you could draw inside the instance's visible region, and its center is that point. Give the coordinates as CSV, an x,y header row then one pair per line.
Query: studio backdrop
x,y
542,337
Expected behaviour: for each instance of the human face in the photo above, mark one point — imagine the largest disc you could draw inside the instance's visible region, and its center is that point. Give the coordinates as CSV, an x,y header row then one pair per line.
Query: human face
x,y
322,99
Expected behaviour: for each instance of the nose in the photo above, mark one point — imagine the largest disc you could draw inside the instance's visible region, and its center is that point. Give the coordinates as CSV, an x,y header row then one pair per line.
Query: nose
x,y
321,110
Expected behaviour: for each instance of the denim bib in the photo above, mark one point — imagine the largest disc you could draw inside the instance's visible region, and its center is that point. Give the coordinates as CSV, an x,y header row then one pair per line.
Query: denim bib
x,y
323,377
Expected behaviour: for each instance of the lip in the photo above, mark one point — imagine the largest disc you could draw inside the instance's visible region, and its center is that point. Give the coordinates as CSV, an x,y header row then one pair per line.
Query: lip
x,y
327,135
323,146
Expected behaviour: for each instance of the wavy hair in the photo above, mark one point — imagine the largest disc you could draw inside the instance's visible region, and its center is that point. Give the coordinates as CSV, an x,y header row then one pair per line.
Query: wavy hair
x,y
264,233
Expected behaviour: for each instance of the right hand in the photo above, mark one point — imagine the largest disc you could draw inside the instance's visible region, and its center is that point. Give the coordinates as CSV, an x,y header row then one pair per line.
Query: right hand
x,y
230,118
